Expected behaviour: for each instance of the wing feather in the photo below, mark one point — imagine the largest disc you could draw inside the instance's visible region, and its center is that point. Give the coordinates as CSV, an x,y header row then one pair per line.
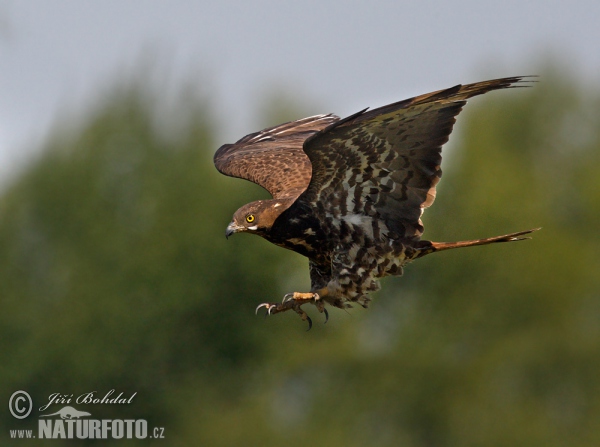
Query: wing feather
x,y
273,158
385,163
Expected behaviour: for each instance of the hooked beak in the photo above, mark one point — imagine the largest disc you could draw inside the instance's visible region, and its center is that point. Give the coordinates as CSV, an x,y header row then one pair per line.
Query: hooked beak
x,y
232,228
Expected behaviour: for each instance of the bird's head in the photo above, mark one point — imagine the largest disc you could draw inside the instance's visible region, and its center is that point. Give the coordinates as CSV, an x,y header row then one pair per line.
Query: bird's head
x,y
256,217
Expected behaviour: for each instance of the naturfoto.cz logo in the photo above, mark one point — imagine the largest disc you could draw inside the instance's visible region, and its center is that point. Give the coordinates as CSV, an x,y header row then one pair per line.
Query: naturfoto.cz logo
x,y
71,423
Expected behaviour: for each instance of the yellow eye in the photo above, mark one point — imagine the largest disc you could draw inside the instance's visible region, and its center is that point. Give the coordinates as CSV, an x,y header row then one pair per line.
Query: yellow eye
x,y
250,218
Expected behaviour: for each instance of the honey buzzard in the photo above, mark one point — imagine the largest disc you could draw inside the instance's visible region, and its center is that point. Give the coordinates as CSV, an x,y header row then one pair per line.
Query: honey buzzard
x,y
348,193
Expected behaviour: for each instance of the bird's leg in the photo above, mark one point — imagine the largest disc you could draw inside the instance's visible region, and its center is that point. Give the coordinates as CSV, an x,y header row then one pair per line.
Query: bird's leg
x,y
311,297
295,301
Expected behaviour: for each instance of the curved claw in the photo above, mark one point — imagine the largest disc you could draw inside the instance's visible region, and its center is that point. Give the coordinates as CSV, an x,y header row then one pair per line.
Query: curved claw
x,y
287,297
267,305
326,315
309,323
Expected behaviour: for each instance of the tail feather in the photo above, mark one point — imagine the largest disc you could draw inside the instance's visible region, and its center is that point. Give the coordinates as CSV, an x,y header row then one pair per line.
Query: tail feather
x,y
439,246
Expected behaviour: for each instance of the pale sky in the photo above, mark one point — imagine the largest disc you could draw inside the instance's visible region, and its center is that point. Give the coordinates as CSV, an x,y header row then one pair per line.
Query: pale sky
x,y
60,55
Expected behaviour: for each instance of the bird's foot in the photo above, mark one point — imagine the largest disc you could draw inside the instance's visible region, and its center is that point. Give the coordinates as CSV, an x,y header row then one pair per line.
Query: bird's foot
x,y
295,301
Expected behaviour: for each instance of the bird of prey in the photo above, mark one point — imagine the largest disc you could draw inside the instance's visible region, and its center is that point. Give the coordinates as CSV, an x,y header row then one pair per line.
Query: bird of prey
x,y
349,193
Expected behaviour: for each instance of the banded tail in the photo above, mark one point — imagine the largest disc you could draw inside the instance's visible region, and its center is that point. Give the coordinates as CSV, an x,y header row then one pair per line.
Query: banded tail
x,y
439,246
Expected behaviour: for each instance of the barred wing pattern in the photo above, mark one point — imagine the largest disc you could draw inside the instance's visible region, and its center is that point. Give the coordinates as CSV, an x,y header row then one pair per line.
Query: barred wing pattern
x,y
273,158
385,163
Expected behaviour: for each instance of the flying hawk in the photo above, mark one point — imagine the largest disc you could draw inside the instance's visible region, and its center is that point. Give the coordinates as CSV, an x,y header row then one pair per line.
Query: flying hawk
x,y
348,193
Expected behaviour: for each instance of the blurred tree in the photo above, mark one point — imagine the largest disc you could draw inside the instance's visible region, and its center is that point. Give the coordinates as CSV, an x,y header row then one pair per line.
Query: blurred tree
x,y
114,273
114,268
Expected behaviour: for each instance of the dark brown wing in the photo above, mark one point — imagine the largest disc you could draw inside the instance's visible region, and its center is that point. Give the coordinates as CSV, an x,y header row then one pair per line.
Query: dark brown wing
x,y
273,158
385,163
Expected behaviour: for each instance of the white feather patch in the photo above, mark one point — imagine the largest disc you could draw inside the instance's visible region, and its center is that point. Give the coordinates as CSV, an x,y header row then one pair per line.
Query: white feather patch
x,y
356,219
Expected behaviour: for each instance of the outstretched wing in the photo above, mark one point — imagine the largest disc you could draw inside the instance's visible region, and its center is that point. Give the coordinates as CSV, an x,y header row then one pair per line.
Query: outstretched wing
x,y
273,158
385,163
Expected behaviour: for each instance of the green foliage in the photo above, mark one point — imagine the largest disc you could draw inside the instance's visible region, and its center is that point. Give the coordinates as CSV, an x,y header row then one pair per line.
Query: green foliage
x,y
114,273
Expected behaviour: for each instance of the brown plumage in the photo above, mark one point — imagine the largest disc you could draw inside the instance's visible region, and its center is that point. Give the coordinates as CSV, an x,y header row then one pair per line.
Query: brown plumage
x,y
349,193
